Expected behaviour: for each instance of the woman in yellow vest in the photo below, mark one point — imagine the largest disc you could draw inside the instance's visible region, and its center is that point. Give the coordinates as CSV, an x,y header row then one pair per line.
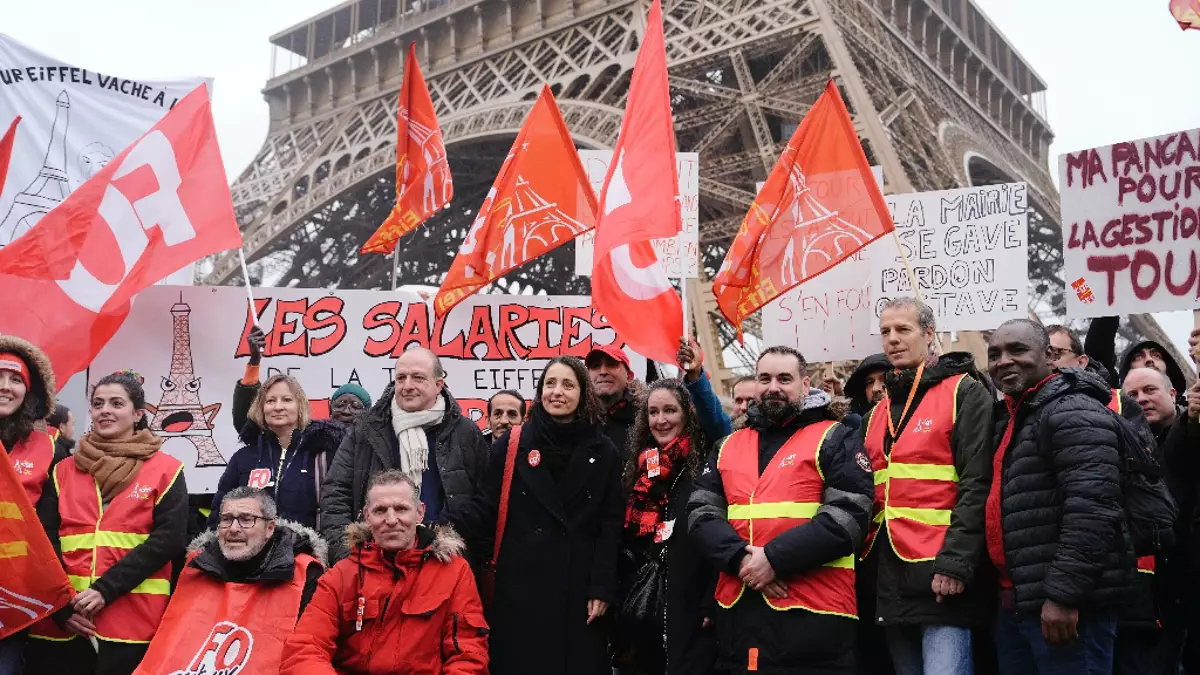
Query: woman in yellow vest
x,y
122,519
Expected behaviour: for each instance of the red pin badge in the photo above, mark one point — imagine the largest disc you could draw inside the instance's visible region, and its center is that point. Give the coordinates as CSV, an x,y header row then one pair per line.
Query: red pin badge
x,y
535,457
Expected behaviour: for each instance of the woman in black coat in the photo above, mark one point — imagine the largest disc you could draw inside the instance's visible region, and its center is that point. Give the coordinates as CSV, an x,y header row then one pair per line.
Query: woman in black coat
x,y
667,448
556,575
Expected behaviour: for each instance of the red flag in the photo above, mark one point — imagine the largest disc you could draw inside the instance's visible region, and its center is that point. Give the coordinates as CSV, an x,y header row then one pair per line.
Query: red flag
x,y
1187,13
161,204
818,207
423,183
629,283
6,145
541,199
32,582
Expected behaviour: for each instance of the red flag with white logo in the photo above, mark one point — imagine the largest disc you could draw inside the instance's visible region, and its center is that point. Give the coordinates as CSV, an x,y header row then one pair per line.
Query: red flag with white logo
x,y
423,182
6,145
162,204
540,200
32,582
637,205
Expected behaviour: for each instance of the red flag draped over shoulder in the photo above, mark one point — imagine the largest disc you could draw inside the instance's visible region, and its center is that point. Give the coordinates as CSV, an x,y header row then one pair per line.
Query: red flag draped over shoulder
x,y
423,183
161,204
541,199
1187,13
32,582
6,146
629,283
819,206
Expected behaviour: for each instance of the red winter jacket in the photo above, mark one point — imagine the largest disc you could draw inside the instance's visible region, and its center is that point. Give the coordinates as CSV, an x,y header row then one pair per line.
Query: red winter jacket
x,y
421,613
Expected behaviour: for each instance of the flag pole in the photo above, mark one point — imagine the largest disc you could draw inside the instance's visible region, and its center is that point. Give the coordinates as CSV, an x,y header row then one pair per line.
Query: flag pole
x,y
395,264
249,291
683,294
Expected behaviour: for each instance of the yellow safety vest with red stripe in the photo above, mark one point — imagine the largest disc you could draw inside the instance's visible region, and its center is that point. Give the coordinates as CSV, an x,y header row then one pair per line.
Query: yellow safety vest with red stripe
x,y
95,536
787,494
31,459
1145,564
916,484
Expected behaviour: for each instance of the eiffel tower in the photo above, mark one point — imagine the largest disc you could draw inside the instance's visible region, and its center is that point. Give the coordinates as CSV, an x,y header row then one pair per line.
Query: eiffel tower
x,y
939,97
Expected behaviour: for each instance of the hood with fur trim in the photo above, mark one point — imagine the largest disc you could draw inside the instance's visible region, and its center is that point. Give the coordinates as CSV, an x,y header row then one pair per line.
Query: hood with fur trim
x,y
290,539
43,386
440,541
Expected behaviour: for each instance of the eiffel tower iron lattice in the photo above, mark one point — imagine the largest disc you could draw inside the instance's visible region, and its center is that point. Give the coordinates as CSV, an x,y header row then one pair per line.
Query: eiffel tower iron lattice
x,y
939,97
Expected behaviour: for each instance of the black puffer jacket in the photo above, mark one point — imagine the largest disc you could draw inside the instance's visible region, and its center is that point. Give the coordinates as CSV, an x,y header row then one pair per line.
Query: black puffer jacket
x,y
903,590
461,453
1061,519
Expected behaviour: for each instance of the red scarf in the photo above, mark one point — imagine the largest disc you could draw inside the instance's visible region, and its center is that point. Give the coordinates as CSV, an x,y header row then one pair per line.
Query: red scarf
x,y
647,504
993,527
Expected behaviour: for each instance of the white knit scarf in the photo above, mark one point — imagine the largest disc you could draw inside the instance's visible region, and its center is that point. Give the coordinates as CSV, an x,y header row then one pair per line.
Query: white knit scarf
x,y
410,432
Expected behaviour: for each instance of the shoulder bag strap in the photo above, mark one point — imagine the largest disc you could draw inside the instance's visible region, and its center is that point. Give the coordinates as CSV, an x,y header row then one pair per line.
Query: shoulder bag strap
x,y
510,461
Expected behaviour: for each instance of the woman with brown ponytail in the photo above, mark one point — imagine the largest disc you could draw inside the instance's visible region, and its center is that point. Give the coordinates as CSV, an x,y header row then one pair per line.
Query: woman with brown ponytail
x,y
121,520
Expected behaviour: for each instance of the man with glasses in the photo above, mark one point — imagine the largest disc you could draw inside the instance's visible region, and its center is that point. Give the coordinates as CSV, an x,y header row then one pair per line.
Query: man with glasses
x,y
241,592
348,402
417,427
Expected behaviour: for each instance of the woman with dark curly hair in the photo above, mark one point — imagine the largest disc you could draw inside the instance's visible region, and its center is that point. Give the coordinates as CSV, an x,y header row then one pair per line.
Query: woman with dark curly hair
x,y
556,573
666,629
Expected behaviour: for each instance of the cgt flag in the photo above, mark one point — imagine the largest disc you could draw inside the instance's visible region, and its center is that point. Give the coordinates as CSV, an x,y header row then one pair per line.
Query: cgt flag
x,y
629,284
541,199
161,204
818,207
6,146
423,183
1187,13
32,582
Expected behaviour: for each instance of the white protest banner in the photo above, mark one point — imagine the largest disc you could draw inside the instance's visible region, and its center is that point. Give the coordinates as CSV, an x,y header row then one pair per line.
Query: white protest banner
x,y
969,250
1131,226
189,343
596,162
829,317
73,122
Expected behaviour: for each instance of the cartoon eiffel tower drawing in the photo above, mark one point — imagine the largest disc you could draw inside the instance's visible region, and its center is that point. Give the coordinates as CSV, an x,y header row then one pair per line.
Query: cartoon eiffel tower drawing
x,y
51,185
179,413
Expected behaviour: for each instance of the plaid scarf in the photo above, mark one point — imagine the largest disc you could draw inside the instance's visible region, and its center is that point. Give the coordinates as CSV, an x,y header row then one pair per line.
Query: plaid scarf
x,y
648,501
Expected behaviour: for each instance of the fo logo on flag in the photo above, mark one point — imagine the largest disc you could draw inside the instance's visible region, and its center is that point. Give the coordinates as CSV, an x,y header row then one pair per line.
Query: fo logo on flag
x,y
226,651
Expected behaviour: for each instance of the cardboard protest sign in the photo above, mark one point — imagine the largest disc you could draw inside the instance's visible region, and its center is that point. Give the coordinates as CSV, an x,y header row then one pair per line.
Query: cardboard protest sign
x,y
73,122
969,253
1131,226
830,317
189,343
674,259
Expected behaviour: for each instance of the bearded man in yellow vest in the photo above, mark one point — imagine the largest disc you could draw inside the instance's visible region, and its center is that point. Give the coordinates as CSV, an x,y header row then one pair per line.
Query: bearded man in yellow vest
x,y
240,594
780,509
930,443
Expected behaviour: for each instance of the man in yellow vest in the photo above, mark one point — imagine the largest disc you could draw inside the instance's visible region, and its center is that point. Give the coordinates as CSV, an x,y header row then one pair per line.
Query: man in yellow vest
x,y
240,594
780,510
930,444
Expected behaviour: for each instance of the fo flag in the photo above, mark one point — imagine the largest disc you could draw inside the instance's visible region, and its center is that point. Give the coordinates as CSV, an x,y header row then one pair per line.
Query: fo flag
x,y
1187,13
819,205
32,582
540,199
629,283
162,204
423,182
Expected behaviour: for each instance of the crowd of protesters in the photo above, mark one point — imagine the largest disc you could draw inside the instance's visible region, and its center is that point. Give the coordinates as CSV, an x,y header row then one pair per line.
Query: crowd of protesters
x,y
923,517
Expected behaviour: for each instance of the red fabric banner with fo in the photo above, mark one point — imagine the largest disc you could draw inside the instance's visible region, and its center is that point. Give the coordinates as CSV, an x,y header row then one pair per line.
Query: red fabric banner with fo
x,y
6,146
163,203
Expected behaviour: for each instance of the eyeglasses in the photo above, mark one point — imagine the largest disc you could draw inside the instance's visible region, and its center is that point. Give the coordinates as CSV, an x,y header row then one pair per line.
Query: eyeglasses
x,y
245,520
1058,352
348,404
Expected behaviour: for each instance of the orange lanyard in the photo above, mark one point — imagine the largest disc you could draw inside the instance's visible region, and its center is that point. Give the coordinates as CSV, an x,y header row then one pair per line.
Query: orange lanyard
x,y
912,393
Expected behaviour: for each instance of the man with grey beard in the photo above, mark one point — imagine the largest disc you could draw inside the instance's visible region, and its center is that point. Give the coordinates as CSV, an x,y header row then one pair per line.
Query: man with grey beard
x,y
247,583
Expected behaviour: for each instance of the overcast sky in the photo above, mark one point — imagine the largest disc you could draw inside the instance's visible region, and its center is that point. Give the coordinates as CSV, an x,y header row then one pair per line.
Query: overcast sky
x,y
1116,70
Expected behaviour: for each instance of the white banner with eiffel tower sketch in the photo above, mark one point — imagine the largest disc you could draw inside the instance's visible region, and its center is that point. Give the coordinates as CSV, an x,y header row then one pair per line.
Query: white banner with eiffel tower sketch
x,y
188,343
677,256
73,121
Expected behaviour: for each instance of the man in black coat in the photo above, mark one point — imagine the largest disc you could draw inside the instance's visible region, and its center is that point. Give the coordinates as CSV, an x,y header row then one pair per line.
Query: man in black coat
x,y
612,379
928,601
1055,520
418,427
1100,345
753,635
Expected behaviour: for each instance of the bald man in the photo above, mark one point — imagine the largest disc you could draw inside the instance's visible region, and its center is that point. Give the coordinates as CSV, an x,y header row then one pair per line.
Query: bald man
x,y
416,426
